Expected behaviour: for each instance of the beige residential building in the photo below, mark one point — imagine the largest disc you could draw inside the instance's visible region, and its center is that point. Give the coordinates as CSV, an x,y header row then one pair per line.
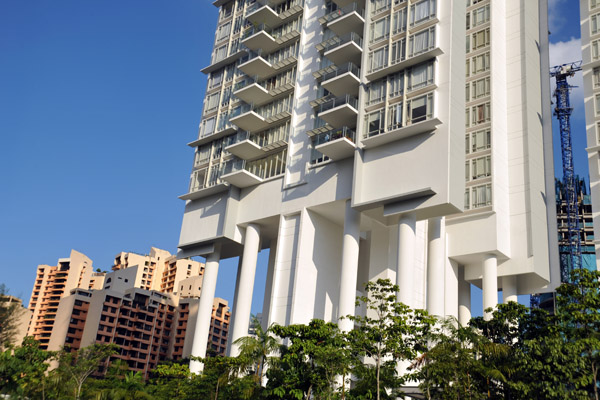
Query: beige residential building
x,y
23,317
52,283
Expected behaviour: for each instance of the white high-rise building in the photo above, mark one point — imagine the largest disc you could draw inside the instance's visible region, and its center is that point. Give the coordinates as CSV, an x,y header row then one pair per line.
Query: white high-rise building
x,y
334,134
590,48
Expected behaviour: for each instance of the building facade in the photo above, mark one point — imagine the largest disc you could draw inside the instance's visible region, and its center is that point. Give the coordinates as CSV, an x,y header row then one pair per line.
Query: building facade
x,y
356,140
590,49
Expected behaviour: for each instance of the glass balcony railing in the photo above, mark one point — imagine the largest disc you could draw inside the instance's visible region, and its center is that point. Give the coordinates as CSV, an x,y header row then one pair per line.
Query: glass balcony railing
x,y
337,41
348,67
340,12
334,134
338,101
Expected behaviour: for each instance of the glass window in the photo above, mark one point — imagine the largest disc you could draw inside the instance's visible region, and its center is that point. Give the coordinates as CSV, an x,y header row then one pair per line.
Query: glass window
x,y
595,47
480,114
468,43
594,4
467,144
481,15
482,167
480,88
422,11
395,117
467,119
374,123
467,171
223,31
203,154
377,92
211,102
481,39
215,79
467,199
379,5
481,196
380,29
467,92
399,21
378,58
422,41
594,20
596,75
420,76
468,68
398,51
598,104
208,126
481,63
420,108
397,84
481,140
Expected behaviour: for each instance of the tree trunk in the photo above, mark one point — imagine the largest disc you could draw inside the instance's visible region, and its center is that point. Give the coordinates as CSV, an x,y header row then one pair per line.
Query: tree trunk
x,y
378,360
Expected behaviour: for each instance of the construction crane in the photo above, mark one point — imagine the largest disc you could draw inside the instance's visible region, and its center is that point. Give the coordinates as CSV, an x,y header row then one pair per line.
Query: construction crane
x,y
563,112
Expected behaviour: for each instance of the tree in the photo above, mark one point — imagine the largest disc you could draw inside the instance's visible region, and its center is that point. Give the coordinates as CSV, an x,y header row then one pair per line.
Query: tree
x,y
171,380
389,333
22,369
579,318
10,312
317,353
257,349
79,365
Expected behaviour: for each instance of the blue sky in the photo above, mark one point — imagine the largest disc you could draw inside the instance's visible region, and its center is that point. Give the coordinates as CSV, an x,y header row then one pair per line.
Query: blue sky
x,y
97,102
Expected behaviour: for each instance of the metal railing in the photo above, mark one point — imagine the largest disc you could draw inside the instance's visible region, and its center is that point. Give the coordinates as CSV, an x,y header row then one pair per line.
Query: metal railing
x,y
337,41
348,67
340,12
339,101
334,134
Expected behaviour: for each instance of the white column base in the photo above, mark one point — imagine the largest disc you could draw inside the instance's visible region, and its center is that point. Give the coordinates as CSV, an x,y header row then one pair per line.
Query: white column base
x,y
490,284
436,261
349,271
406,257
509,289
464,298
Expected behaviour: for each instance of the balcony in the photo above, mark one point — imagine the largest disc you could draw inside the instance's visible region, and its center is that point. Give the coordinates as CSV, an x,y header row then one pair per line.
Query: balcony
x,y
219,61
342,80
245,148
262,37
257,66
250,91
248,119
235,173
398,64
339,111
342,49
263,14
336,144
345,20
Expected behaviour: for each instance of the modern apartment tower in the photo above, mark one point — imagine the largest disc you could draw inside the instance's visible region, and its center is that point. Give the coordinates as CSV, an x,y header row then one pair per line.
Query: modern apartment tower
x,y
590,49
334,134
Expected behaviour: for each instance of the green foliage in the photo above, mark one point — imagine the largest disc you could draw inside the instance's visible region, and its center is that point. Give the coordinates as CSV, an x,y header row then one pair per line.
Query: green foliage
x,y
10,312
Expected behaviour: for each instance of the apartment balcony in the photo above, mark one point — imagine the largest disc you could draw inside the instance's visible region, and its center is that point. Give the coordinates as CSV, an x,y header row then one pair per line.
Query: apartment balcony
x,y
343,49
350,18
249,120
339,111
398,64
234,53
262,37
342,80
245,148
201,187
250,92
222,130
235,173
336,144
263,14
394,133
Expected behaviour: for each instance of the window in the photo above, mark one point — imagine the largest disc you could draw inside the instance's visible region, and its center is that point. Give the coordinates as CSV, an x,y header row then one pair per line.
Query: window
x,y
467,119
211,102
422,41
481,39
467,92
480,140
480,88
481,63
595,47
594,4
380,29
480,114
398,51
215,79
374,122
208,126
596,75
223,31
395,117
468,21
467,144
598,132
378,59
468,68
420,108
399,22
378,6
468,44
481,15
420,76
467,199
422,11
397,84
202,154
481,196
481,167
598,104
376,92
594,21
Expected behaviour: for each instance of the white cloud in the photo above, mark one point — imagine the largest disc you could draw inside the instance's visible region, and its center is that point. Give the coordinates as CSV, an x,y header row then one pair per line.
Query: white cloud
x,y
564,53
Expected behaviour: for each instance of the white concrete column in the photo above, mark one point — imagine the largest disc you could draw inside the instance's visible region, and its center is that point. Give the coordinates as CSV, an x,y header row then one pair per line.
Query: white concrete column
x,y
243,304
490,284
406,257
464,298
509,288
436,261
451,288
205,307
349,272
